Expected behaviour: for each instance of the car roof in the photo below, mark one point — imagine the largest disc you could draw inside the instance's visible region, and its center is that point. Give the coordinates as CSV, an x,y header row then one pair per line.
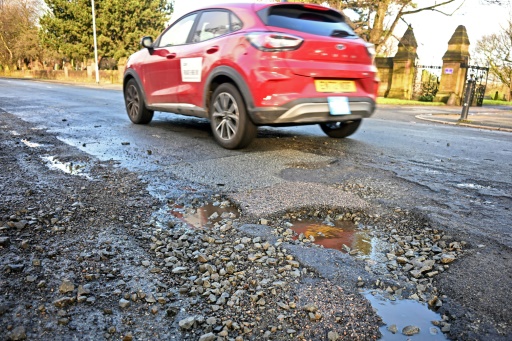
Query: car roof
x,y
254,5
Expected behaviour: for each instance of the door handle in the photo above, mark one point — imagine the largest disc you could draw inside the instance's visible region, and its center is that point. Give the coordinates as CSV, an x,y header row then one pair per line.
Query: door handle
x,y
171,56
212,49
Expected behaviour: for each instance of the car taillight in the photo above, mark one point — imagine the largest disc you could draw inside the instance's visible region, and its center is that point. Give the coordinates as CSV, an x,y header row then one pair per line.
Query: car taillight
x,y
370,48
273,41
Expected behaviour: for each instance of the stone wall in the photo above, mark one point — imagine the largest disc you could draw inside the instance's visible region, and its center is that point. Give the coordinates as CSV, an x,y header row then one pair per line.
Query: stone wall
x,y
385,67
398,73
67,75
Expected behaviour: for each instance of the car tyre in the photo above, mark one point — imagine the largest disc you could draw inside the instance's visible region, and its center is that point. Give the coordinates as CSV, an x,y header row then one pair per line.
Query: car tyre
x,y
136,104
340,130
231,126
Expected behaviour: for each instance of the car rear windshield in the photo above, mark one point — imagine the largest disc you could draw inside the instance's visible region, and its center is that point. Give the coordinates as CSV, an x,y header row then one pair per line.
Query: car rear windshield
x,y
323,22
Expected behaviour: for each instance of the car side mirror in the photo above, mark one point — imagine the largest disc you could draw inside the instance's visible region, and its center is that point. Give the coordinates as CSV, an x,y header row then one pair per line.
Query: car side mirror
x,y
147,42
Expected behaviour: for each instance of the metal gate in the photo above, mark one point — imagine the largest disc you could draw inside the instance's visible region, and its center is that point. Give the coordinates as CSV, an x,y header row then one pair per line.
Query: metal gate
x,y
479,75
426,82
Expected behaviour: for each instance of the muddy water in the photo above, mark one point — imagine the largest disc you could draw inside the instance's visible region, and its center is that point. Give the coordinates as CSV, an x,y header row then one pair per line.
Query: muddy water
x,y
342,235
205,216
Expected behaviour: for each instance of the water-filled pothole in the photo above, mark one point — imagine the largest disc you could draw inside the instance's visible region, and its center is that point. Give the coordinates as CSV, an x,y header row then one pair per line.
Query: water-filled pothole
x,y
30,144
204,216
398,314
66,167
343,235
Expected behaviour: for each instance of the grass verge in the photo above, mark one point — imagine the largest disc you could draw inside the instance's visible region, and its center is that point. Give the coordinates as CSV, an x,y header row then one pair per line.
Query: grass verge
x,y
495,102
394,101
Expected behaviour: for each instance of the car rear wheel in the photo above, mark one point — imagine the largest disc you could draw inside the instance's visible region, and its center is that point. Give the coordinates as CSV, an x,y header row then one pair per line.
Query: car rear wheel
x,y
135,104
340,129
231,126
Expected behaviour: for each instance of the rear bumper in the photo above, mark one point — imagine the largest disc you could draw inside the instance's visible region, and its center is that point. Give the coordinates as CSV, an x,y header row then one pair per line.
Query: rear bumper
x,y
310,111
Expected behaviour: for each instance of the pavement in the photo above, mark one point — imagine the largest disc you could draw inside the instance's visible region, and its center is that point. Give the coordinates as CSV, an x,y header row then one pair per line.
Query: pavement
x,y
488,117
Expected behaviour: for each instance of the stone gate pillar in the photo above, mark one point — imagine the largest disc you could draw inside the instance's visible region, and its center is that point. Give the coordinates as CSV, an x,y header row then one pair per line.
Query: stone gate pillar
x,y
454,70
404,67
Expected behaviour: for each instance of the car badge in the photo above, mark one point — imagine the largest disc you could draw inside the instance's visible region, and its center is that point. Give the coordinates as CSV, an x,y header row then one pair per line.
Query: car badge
x,y
340,47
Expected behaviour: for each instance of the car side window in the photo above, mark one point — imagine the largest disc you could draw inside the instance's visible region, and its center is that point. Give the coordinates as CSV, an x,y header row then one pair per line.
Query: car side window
x,y
236,23
211,24
178,33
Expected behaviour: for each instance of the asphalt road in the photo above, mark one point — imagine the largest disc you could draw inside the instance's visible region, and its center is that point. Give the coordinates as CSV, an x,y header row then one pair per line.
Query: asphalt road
x,y
460,171
455,177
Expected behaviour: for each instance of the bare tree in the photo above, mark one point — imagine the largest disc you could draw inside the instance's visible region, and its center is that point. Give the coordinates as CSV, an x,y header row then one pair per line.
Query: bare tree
x,y
373,15
496,51
18,31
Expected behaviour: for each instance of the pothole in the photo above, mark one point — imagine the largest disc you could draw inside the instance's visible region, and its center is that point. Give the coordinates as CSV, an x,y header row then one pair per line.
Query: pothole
x,y
205,216
342,235
405,318
399,248
471,186
30,144
67,167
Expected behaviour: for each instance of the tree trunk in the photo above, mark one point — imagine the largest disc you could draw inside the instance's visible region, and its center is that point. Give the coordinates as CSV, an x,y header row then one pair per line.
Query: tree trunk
x,y
377,31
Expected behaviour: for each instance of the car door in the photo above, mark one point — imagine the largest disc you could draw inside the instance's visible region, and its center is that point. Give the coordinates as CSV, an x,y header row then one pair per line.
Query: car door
x,y
161,69
204,50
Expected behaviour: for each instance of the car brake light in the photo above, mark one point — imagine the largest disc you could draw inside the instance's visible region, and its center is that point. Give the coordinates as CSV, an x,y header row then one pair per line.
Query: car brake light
x,y
317,7
370,48
273,41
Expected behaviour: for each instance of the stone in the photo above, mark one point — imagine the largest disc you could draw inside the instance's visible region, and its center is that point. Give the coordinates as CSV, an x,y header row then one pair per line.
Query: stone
x,y
207,337
332,336
410,330
187,323
5,241
31,278
392,329
124,303
310,308
64,301
201,258
433,331
179,270
83,290
283,305
415,273
66,286
447,258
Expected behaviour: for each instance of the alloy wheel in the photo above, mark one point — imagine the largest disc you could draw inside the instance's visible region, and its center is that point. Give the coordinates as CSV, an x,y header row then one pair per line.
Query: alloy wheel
x,y
132,101
226,116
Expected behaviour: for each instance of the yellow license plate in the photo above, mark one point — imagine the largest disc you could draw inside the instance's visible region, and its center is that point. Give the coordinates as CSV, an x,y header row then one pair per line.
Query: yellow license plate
x,y
335,86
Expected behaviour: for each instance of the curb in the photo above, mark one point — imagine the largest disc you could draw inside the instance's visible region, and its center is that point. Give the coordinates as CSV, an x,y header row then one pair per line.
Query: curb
x,y
429,118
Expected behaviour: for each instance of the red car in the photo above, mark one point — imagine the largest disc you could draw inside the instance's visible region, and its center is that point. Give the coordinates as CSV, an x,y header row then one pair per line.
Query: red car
x,y
247,65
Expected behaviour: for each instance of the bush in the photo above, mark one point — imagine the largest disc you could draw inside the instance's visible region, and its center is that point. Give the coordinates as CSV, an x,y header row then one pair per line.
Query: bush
x,y
426,98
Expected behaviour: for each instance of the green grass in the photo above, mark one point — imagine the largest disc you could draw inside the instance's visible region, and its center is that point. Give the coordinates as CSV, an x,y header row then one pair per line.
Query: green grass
x,y
493,102
394,101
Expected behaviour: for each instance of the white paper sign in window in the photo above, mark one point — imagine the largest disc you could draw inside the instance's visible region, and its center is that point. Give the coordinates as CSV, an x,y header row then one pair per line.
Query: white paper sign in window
x,y
191,69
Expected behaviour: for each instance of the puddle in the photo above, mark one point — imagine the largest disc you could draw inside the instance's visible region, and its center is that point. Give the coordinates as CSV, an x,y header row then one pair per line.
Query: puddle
x,y
68,167
404,313
30,144
205,216
471,186
343,235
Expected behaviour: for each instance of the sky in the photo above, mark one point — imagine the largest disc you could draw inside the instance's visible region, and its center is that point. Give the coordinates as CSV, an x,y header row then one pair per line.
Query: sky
x,y
432,29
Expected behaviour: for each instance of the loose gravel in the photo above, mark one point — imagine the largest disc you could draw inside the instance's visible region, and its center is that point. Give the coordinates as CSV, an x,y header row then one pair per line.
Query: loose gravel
x,y
89,254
